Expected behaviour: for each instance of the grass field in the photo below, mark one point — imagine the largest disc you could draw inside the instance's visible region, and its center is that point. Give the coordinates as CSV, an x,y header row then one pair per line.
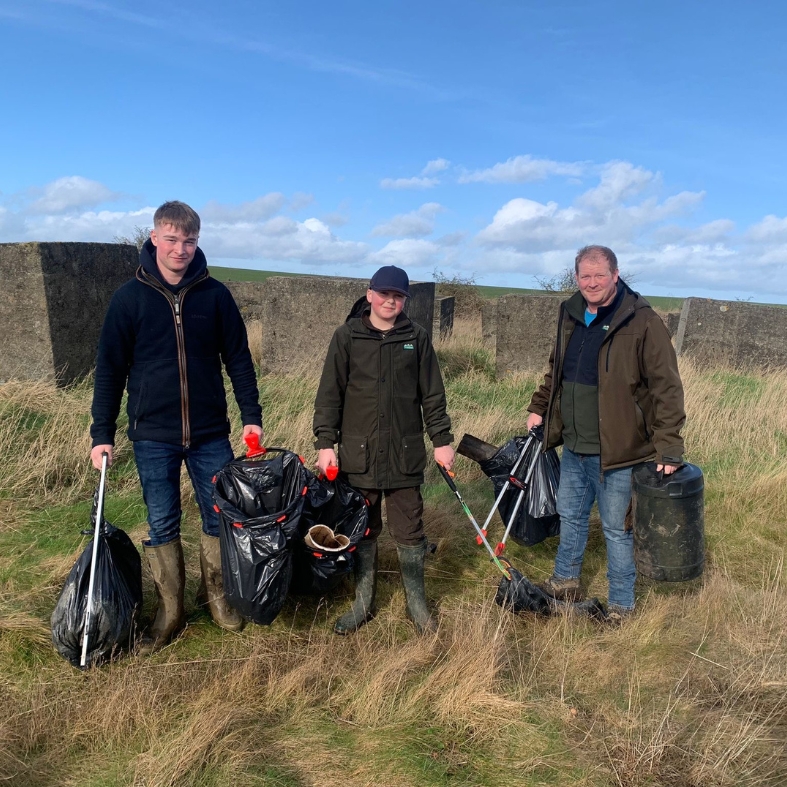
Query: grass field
x,y
691,692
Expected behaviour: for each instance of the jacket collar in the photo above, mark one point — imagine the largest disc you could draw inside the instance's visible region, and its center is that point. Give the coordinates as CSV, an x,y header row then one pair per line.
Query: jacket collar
x,y
626,302
197,268
361,309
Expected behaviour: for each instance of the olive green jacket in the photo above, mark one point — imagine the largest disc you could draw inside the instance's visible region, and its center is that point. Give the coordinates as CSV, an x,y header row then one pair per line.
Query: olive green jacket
x,y
375,395
640,394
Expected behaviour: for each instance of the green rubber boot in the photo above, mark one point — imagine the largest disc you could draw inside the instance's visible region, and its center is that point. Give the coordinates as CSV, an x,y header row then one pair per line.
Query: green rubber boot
x,y
362,609
411,563
224,616
169,577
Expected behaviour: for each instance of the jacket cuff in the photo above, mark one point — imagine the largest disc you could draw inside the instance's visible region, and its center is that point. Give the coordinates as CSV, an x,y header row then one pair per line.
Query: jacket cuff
x,y
439,440
323,442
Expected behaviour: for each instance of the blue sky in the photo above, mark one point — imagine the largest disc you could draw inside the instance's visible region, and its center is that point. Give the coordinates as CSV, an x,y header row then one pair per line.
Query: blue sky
x,y
485,138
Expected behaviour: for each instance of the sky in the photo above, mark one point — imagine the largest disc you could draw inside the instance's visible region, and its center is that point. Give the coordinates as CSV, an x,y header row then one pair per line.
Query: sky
x,y
488,140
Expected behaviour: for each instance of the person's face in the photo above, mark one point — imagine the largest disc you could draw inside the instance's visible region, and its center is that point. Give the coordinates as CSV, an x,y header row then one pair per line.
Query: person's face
x,y
174,251
387,305
596,282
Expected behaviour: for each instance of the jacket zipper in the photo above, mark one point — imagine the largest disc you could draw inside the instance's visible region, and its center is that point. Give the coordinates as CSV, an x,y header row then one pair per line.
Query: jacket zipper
x,y
176,304
610,338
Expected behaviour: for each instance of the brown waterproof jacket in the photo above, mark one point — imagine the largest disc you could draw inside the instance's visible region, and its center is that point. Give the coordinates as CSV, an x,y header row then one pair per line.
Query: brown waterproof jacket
x,y
376,394
640,393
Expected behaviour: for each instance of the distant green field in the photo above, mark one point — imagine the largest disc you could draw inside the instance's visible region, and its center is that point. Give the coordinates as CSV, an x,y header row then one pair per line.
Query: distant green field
x,y
246,274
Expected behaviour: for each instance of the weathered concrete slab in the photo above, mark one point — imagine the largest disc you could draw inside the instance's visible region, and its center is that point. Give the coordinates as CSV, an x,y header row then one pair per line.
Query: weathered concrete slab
x,y
249,296
52,304
300,314
526,327
489,322
733,333
444,308
672,321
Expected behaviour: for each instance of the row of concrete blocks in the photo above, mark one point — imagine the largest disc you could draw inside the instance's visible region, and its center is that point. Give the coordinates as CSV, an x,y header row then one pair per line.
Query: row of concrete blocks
x,y
54,297
731,334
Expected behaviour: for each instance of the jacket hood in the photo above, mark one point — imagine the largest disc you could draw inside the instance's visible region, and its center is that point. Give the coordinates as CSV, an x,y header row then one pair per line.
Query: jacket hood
x,y
147,260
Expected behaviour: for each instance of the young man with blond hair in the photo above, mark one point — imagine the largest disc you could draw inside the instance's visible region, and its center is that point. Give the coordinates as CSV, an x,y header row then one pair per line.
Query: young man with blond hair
x,y
166,336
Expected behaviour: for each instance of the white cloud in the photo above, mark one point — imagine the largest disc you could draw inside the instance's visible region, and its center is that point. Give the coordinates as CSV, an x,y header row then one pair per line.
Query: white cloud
x,y
254,210
407,253
71,193
435,166
522,169
300,200
615,212
408,183
770,229
415,224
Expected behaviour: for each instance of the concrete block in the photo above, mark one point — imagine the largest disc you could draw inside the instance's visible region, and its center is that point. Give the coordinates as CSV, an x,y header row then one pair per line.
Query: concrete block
x,y
672,321
489,322
526,329
444,307
52,304
300,314
732,333
249,296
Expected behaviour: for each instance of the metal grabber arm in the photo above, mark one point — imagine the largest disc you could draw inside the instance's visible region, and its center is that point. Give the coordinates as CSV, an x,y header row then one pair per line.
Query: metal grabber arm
x,y
449,479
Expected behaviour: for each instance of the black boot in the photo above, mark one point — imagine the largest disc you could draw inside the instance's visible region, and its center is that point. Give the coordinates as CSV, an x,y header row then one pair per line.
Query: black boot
x,y
411,563
362,610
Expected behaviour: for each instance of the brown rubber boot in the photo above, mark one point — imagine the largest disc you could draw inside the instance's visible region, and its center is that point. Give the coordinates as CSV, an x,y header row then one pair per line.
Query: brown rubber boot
x,y
224,616
169,577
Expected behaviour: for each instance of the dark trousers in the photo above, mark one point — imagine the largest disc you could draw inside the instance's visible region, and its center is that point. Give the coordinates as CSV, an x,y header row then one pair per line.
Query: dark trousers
x,y
405,509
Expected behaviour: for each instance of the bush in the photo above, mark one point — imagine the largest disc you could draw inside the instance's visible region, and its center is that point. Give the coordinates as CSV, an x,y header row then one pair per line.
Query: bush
x,y
467,298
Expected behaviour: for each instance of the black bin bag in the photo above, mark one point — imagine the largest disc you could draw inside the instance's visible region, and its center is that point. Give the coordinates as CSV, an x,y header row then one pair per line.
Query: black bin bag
x,y
117,597
519,594
260,503
336,505
537,518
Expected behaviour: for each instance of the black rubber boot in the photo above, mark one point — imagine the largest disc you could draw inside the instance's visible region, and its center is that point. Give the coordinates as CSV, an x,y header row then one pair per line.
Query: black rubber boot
x,y
411,563
362,609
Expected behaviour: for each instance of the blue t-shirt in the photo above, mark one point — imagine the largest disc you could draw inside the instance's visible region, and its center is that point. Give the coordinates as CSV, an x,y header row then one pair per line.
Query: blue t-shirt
x,y
589,317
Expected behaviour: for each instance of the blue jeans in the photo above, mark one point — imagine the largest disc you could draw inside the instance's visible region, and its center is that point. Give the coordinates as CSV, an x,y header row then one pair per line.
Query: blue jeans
x,y
580,485
158,466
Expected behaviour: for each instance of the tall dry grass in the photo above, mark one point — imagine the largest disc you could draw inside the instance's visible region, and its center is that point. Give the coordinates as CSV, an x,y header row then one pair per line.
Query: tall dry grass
x,y
690,693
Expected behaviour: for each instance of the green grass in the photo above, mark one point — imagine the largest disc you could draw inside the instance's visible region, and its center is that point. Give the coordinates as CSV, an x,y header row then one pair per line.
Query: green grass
x,y
690,693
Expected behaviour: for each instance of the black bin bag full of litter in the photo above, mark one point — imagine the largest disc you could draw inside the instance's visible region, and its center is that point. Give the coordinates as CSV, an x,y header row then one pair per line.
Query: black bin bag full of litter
x,y
539,472
335,520
260,503
117,597
519,594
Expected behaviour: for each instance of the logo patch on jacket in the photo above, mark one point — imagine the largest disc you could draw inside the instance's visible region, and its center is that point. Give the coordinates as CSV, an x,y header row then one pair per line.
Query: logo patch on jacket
x,y
409,346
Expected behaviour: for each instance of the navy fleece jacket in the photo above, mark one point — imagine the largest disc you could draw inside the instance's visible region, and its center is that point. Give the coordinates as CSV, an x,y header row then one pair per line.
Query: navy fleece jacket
x,y
167,344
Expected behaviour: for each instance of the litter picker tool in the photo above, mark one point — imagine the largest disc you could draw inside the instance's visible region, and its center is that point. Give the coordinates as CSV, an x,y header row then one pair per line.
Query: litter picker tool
x,y
96,540
449,479
522,486
511,479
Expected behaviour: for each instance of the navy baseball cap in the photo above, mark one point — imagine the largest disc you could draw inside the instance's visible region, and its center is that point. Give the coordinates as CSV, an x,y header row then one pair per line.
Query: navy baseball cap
x,y
389,277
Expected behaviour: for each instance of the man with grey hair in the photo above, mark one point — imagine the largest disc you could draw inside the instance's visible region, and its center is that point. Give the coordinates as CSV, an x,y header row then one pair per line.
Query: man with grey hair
x,y
613,398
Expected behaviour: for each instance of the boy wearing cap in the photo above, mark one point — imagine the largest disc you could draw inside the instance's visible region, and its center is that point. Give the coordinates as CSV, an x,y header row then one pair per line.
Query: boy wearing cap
x,y
380,386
